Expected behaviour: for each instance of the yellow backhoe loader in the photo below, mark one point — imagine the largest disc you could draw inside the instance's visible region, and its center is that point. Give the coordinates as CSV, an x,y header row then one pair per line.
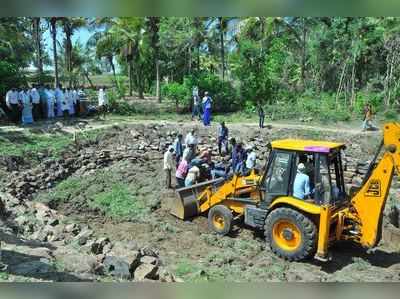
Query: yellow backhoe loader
x,y
296,228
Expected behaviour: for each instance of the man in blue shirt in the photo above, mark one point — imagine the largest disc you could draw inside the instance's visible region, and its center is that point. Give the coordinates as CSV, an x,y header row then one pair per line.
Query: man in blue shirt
x,y
178,148
301,187
207,109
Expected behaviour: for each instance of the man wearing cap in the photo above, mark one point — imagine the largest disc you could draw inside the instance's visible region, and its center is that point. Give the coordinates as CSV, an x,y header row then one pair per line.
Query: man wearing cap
x,y
168,165
301,187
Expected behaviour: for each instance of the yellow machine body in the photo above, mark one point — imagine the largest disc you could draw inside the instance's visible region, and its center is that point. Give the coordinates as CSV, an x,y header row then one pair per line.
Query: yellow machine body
x,y
194,200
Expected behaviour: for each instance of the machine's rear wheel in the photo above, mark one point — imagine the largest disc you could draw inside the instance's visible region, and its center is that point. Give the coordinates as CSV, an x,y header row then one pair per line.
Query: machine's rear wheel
x,y
290,234
220,219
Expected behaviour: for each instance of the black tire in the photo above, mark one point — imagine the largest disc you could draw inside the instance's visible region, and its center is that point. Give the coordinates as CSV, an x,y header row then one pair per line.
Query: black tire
x,y
220,212
307,230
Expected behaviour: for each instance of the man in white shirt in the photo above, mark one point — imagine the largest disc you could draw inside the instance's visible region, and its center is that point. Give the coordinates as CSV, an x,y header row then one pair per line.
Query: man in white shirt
x,y
168,165
251,159
26,101
103,101
191,138
69,97
64,103
51,100
35,98
12,102
192,176
196,103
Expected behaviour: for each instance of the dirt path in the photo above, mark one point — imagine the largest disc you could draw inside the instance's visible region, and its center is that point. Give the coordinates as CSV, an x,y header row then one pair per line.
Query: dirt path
x,y
86,125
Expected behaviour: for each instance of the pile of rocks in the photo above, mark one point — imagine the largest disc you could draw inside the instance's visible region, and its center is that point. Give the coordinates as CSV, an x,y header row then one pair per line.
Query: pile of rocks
x,y
78,247
127,261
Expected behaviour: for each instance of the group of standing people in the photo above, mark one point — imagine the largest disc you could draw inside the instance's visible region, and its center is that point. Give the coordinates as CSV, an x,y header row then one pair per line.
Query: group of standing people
x,y
28,105
193,163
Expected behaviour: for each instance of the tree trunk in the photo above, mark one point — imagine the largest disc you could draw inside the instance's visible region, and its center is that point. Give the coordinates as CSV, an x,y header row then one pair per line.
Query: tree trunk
x,y
38,45
53,30
158,81
111,62
303,58
197,25
262,30
341,83
130,78
90,81
139,81
353,83
68,49
198,58
221,36
189,60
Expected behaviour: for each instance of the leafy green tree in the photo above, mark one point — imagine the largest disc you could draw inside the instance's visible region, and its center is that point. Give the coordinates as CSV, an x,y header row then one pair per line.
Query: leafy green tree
x,y
16,52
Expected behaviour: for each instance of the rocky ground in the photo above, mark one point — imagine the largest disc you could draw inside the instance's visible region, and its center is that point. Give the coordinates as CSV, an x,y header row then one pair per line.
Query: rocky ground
x,y
99,212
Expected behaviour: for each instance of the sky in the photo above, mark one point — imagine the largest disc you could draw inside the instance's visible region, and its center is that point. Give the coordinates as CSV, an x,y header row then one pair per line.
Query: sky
x,y
82,35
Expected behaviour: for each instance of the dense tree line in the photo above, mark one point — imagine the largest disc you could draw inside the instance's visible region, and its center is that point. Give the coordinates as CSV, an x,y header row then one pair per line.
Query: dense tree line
x,y
341,62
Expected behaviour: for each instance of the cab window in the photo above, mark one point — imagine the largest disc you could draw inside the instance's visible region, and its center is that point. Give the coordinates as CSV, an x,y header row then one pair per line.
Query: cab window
x,y
278,177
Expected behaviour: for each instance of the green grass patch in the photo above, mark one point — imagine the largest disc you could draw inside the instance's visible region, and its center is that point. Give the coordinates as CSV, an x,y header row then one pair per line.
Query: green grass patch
x,y
107,190
185,268
67,189
29,142
119,202
21,143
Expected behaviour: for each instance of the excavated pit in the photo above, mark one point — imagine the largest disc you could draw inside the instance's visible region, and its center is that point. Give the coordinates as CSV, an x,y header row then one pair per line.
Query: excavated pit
x,y
128,160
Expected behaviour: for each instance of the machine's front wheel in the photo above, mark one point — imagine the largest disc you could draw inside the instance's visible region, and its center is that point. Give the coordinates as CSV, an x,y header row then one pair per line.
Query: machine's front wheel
x,y
220,219
290,234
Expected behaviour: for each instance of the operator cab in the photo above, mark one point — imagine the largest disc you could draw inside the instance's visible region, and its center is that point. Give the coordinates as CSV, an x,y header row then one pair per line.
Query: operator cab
x,y
305,169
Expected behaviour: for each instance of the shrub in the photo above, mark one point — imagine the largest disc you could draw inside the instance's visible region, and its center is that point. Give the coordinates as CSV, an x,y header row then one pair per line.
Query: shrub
x,y
10,77
224,94
178,93
124,108
391,115
121,86
113,97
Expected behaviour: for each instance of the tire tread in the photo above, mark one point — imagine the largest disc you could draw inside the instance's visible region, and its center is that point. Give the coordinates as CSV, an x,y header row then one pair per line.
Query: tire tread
x,y
308,228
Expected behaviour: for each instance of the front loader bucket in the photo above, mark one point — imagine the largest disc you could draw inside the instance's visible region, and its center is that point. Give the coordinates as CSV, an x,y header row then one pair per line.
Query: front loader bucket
x,y
184,208
186,204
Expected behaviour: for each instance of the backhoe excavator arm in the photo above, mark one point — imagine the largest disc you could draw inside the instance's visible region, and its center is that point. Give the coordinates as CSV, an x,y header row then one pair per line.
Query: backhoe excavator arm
x,y
366,208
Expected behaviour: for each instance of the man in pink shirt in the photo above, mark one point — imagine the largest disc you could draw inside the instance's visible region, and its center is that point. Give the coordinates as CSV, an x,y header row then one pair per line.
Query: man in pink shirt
x,y
181,173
